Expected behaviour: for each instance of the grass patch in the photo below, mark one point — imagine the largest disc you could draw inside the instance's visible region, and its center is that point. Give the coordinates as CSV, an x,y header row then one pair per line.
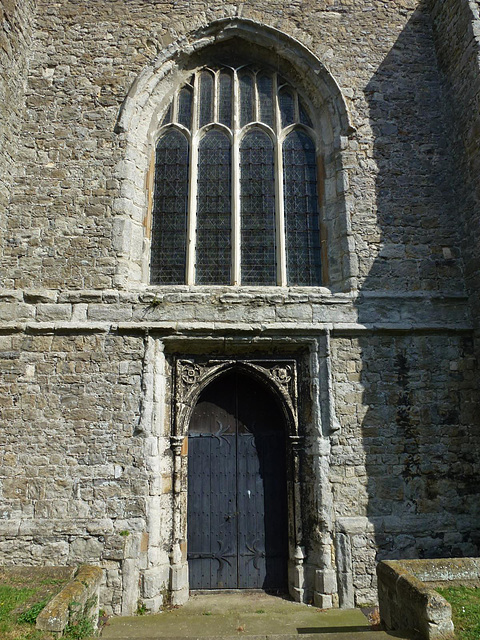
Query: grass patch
x,y
51,581
31,614
82,628
465,603
24,592
12,626
10,599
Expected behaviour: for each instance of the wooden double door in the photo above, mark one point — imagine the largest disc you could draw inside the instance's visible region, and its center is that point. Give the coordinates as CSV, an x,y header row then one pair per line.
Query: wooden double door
x,y
237,488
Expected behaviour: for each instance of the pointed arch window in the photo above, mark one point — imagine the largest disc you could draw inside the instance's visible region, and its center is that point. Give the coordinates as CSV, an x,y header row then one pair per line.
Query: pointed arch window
x,y
235,190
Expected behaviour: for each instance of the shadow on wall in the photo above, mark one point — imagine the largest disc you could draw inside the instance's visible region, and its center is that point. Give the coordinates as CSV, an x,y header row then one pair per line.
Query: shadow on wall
x,y
415,479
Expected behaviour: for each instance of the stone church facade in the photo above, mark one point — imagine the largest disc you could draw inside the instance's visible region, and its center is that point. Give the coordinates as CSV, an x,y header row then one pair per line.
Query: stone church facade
x,y
371,363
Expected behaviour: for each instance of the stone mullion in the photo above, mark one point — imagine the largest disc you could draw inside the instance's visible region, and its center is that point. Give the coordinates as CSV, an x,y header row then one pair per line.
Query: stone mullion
x,y
279,204
236,221
216,96
174,116
192,191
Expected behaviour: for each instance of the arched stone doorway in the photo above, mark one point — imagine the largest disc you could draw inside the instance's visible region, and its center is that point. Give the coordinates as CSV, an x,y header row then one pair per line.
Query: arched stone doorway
x,y
199,381
237,487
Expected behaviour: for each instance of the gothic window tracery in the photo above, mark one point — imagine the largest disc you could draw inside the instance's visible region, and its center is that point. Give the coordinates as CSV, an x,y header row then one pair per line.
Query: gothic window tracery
x,y
235,193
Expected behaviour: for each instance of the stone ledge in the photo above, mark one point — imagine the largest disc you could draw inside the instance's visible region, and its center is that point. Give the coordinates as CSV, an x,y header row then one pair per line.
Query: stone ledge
x,y
232,310
408,600
226,295
77,599
292,328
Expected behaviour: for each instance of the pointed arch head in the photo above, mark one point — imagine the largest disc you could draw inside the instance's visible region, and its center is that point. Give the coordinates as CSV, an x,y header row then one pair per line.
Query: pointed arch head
x,y
272,385
249,40
150,95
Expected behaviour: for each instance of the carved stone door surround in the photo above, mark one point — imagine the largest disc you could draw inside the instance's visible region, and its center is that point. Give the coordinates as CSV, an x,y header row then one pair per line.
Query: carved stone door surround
x,y
191,376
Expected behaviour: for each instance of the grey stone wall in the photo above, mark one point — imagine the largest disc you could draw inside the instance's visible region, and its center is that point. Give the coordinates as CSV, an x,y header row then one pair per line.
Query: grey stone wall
x,y
388,397
73,473
16,24
457,28
398,162
404,463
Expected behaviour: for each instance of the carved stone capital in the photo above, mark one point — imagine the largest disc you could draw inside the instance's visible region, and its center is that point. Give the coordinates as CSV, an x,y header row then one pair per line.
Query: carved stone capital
x,y
299,555
176,443
297,443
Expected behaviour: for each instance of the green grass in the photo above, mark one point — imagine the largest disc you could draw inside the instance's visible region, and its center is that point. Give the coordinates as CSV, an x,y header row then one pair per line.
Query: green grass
x,y
465,603
17,619
51,581
24,592
11,600
30,615
80,630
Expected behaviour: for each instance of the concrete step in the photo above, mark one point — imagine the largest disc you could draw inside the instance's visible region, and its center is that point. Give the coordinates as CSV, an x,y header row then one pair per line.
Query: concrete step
x,y
255,616
336,635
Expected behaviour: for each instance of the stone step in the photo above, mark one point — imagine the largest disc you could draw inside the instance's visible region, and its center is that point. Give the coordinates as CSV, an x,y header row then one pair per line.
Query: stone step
x,y
247,616
329,635
338,634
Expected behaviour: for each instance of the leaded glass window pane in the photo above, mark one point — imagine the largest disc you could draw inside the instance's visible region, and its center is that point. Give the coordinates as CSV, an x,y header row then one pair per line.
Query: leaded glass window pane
x,y
265,96
287,106
301,210
246,98
206,99
257,207
225,99
214,210
169,231
185,107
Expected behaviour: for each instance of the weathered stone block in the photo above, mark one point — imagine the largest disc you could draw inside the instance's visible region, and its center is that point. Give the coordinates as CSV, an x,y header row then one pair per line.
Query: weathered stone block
x,y
47,312
155,580
322,601
326,581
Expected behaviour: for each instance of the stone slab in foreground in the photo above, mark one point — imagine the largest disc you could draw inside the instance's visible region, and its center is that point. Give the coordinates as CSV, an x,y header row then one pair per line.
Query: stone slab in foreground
x,y
78,599
407,597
